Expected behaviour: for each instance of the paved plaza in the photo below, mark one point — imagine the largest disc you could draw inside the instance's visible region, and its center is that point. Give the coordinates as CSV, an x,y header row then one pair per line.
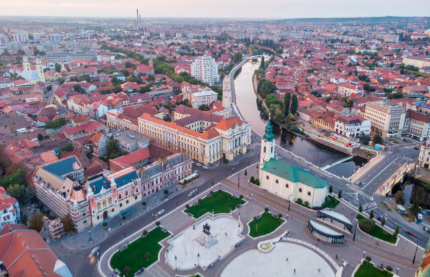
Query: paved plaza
x,y
192,247
274,263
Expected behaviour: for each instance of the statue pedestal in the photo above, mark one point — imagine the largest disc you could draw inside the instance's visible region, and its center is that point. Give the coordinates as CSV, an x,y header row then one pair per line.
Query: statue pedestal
x,y
207,240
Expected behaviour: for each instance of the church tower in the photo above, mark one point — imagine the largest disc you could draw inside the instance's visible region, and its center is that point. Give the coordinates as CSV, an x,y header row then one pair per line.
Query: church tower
x,y
267,147
151,63
226,92
26,64
39,70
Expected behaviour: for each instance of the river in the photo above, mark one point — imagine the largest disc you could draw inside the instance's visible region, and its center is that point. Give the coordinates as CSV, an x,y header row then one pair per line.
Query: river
x,y
327,158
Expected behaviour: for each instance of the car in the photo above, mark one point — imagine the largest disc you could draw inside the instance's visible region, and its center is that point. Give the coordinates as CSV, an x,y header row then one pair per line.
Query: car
x,y
161,212
416,148
198,164
205,167
94,251
379,217
195,171
192,193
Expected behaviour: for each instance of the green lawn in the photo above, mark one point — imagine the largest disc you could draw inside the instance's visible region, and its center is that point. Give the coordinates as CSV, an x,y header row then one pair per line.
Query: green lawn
x,y
368,270
219,202
330,202
134,255
266,224
380,233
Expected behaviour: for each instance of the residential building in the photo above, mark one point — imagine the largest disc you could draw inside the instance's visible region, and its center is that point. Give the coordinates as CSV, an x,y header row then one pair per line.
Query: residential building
x,y
285,180
24,253
129,141
417,125
386,118
347,89
205,69
9,209
415,90
418,61
352,126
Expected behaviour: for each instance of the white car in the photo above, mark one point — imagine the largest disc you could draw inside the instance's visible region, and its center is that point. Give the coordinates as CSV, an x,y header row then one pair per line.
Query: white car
x,y
205,167
198,164
161,212
94,251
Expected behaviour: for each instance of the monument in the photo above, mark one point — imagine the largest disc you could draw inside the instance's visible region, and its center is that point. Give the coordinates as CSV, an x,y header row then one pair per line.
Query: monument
x,y
207,239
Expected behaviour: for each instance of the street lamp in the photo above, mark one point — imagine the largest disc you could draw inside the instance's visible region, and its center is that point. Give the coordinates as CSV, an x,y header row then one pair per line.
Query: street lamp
x,y
289,202
413,262
238,180
355,230
89,234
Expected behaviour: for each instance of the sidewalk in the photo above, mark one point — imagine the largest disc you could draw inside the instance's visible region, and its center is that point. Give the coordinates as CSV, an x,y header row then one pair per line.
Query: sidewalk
x,y
91,238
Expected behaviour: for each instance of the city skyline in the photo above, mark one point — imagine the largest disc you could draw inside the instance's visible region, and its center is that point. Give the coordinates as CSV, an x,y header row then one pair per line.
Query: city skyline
x,y
271,9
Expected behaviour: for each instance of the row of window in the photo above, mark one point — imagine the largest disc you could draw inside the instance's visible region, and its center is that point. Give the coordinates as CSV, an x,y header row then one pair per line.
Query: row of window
x,y
287,186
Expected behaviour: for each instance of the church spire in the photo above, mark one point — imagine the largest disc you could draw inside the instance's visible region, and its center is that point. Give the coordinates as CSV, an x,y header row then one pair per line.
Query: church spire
x,y
268,135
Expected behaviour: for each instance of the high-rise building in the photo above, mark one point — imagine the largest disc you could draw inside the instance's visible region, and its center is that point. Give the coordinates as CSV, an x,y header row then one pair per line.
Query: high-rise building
x,y
387,118
205,69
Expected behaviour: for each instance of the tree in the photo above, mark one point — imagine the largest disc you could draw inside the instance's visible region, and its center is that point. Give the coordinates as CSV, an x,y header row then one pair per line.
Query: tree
x,y
57,67
22,193
360,208
396,232
400,198
128,65
330,189
67,147
371,214
166,192
125,72
262,65
69,225
383,221
204,107
349,104
39,137
167,118
328,99
36,222
294,104
339,195
151,78
117,89
377,139
364,139
158,223
79,89
237,57
144,233
246,173
416,206
286,106
112,149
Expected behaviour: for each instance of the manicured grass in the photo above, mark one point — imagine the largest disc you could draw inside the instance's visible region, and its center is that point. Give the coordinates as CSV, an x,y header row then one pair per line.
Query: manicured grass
x,y
330,202
380,233
266,224
219,202
368,270
134,255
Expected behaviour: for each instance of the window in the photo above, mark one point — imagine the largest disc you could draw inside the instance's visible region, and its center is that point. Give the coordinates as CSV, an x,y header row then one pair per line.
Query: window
x,y
126,193
120,205
309,193
286,185
135,198
272,149
98,217
264,149
113,210
277,181
126,202
119,196
267,177
300,190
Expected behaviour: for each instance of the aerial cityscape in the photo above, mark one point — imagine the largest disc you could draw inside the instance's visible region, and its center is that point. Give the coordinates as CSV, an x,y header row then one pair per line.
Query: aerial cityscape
x,y
175,140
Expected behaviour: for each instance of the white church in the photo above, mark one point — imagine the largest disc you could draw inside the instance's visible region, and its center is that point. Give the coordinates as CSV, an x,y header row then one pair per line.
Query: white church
x,y
32,76
286,180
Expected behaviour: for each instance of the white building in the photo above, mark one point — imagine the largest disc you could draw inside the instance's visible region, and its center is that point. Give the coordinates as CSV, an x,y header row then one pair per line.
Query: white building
x,y
348,89
386,118
352,126
9,209
417,125
418,61
205,69
286,180
204,97
424,157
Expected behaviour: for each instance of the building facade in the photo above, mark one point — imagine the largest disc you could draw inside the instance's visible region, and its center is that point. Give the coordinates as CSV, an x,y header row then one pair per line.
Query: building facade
x,y
9,209
352,126
386,118
205,69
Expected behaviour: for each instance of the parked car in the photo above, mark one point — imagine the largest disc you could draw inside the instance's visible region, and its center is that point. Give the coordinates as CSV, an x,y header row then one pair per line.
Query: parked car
x,y
198,164
192,193
161,212
380,217
205,167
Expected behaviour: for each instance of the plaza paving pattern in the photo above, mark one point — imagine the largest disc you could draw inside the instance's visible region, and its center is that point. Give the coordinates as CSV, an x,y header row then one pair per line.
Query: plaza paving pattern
x,y
305,261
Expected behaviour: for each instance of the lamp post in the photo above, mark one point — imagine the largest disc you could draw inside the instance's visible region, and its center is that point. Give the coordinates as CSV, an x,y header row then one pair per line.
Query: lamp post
x,y
238,180
198,258
176,258
89,234
289,202
416,249
355,230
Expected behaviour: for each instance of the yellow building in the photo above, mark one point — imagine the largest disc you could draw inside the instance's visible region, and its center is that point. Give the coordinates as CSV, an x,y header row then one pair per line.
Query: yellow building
x,y
203,142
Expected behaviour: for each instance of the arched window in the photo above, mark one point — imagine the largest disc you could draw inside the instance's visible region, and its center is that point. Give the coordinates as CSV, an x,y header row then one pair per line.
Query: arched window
x,y
99,206
110,201
272,149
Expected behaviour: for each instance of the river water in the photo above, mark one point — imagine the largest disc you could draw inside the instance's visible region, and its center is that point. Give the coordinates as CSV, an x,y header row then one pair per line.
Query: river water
x,y
333,161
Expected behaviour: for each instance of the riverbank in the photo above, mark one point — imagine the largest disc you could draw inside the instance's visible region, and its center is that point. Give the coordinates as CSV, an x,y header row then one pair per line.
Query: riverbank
x,y
357,152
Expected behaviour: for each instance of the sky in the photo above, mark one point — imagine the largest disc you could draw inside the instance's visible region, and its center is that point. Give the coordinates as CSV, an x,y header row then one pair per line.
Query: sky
x,y
254,9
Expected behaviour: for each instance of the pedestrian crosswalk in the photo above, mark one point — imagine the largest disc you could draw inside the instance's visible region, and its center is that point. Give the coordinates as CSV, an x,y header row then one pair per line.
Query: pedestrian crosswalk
x,y
369,206
156,271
